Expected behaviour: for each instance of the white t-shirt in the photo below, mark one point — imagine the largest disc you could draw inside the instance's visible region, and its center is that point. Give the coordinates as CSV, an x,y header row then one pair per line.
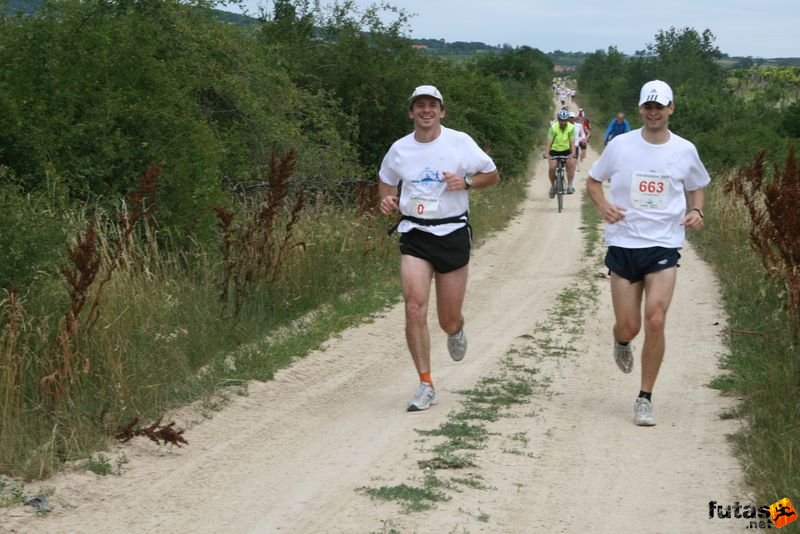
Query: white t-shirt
x,y
580,135
420,166
649,182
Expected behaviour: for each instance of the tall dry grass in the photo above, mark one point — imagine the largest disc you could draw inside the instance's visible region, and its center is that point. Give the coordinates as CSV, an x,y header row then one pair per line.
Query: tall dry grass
x,y
134,325
751,238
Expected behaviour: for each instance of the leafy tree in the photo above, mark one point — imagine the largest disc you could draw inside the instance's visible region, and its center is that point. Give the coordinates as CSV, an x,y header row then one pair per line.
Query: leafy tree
x,y
519,108
685,56
603,79
95,91
364,64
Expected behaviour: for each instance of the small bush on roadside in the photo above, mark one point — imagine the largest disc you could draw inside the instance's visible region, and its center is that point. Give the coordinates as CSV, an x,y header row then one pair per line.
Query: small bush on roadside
x,y
32,236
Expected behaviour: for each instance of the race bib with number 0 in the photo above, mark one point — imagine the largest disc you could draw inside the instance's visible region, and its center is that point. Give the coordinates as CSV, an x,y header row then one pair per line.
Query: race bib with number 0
x,y
425,208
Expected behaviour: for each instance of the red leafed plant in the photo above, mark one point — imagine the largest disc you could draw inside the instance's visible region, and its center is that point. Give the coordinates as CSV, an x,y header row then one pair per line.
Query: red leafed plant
x,y
773,202
82,273
254,250
155,432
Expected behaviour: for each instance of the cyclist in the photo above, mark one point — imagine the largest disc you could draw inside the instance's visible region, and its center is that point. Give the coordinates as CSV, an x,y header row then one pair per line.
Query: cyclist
x,y
561,142
617,126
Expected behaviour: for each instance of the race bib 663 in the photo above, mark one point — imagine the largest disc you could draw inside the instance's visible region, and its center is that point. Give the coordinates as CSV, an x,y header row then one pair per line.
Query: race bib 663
x,y
649,191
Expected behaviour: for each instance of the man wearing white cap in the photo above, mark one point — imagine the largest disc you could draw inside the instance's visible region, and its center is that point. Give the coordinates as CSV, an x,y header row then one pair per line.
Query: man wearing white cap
x,y
652,173
437,167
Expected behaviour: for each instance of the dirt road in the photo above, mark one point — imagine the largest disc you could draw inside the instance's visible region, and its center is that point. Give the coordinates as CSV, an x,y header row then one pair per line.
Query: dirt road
x,y
291,455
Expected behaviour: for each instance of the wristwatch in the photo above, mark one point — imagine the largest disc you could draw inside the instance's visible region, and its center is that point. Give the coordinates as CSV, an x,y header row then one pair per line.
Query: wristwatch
x,y
468,180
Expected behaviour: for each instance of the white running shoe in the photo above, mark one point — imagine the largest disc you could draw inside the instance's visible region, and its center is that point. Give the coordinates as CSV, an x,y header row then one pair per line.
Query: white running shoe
x,y
424,398
643,413
457,345
623,355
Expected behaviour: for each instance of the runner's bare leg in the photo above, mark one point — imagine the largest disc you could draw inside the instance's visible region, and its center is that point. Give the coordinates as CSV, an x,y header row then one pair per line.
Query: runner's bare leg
x,y
416,275
658,290
450,290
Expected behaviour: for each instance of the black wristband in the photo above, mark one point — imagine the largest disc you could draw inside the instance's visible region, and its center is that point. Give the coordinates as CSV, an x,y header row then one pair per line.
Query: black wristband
x,y
699,212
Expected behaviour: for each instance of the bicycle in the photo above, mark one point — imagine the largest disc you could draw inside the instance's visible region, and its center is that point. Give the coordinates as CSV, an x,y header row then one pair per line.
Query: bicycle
x,y
561,179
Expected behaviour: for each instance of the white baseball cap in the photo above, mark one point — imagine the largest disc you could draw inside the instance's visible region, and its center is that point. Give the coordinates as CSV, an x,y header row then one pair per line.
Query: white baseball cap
x,y
656,91
426,90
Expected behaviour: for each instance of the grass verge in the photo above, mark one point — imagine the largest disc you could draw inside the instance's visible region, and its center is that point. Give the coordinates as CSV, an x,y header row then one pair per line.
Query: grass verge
x,y
763,366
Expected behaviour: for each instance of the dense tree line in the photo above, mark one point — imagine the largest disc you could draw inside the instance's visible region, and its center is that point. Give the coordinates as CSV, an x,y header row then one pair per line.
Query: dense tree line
x,y
93,92
727,128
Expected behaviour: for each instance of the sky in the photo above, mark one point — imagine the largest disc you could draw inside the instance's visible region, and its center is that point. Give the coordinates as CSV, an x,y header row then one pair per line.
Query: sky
x,y
758,28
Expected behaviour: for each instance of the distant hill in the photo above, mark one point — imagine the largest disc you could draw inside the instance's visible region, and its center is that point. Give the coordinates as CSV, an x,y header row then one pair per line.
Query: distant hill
x,y
455,49
29,7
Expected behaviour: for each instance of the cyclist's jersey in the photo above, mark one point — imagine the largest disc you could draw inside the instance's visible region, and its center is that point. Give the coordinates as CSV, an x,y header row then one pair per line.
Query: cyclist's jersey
x,y
563,139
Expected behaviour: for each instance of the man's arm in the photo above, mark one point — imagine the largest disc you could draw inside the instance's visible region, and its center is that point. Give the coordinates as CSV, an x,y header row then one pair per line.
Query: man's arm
x,y
610,212
694,212
388,195
481,180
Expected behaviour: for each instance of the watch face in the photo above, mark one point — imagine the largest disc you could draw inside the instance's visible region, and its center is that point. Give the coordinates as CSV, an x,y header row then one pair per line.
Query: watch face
x,y
468,180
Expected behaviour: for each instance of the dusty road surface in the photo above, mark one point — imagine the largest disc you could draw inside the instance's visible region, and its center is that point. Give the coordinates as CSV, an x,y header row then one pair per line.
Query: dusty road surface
x,y
294,455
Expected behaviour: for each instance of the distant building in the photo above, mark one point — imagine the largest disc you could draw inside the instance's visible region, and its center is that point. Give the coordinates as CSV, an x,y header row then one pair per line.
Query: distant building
x,y
419,46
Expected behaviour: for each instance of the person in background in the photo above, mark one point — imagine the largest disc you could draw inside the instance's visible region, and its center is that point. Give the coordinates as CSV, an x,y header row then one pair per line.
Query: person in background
x,y
438,167
616,127
653,173
587,129
580,139
561,142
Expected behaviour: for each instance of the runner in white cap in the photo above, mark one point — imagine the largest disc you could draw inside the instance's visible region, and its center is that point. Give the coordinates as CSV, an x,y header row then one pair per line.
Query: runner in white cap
x,y
652,173
437,167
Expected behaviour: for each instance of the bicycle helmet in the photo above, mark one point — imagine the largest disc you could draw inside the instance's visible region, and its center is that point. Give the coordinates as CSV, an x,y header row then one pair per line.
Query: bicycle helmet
x,y
563,115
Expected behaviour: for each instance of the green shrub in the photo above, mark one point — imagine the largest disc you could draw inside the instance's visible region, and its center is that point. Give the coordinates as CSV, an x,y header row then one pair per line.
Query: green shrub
x,y
32,237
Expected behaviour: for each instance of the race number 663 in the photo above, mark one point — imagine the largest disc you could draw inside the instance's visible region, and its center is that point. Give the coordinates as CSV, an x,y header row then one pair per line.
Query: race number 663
x,y
646,186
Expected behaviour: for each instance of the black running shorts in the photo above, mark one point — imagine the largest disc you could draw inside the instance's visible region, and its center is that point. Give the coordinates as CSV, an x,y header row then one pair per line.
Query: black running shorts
x,y
446,253
633,264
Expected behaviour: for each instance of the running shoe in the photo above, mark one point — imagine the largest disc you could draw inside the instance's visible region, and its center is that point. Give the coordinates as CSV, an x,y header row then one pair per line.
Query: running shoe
x,y
570,190
424,398
623,355
643,413
552,191
457,345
